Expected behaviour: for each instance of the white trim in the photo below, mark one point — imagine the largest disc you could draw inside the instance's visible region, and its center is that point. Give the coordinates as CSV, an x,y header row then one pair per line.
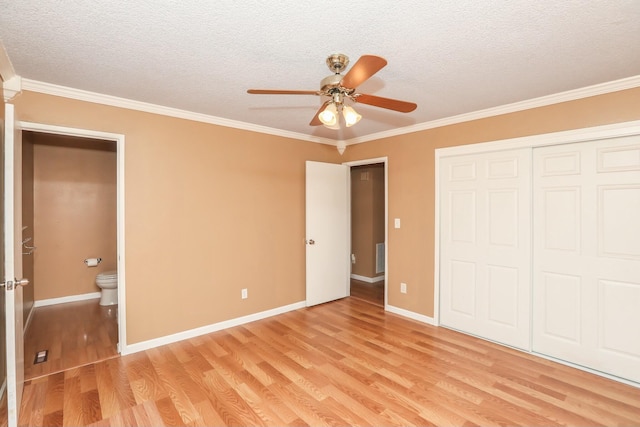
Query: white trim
x,y
64,300
373,161
436,240
570,95
119,139
3,388
10,82
114,101
582,368
545,139
203,330
410,314
367,279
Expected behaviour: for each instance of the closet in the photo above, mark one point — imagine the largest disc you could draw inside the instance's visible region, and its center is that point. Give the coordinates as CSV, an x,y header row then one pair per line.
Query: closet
x,y
539,246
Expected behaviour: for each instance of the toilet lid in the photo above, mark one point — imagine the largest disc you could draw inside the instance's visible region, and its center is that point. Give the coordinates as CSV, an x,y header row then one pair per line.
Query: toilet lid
x,y
108,275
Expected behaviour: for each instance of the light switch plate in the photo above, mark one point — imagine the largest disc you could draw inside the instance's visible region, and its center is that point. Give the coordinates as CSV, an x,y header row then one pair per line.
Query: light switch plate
x,y
396,222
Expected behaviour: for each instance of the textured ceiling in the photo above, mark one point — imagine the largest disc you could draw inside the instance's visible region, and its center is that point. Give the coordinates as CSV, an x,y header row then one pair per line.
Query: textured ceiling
x,y
449,57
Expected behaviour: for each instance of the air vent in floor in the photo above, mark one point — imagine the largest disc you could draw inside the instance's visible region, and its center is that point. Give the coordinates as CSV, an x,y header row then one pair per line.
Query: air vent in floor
x,y
41,356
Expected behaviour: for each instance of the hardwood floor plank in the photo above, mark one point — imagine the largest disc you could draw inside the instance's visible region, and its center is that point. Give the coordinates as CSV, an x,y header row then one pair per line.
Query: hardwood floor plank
x,y
75,334
343,363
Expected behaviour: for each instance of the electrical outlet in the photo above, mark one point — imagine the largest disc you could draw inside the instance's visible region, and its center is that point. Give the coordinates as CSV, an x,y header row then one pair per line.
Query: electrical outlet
x,y
403,288
353,258
245,293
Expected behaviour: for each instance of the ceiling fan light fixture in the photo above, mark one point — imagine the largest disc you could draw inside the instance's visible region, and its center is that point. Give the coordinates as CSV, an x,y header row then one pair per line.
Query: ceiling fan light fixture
x,y
351,116
329,116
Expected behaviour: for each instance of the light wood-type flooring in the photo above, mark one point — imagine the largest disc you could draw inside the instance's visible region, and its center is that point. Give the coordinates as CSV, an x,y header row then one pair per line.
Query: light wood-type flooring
x,y
371,292
342,363
75,333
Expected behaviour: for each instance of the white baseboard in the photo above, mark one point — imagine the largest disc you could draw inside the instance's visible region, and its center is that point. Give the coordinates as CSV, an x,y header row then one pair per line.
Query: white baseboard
x,y
411,315
168,339
368,279
62,300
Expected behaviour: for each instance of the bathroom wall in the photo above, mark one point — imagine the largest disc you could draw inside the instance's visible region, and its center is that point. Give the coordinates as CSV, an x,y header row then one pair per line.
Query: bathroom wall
x,y
367,217
74,213
27,221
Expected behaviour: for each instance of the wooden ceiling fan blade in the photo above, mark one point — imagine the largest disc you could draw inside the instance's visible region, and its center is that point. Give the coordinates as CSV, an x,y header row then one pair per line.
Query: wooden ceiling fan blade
x,y
316,119
388,103
364,68
281,92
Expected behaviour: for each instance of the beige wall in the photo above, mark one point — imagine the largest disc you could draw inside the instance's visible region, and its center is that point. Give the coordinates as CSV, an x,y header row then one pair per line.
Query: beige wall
x,y
27,221
411,179
74,213
211,210
367,217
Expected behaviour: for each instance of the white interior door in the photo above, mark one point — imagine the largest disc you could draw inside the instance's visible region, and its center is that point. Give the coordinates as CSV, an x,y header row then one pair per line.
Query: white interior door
x,y
327,232
485,245
13,262
586,267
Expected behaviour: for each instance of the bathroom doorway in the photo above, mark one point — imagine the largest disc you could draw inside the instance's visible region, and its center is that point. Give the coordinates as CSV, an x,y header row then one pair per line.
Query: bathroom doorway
x,y
368,230
72,185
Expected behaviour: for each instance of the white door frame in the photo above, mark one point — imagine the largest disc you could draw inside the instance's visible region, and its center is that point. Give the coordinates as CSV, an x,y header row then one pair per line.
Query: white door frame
x,y
385,161
119,140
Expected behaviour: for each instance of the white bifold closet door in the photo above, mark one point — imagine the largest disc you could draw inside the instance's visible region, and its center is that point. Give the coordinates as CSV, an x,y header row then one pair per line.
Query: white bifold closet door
x,y
586,254
485,245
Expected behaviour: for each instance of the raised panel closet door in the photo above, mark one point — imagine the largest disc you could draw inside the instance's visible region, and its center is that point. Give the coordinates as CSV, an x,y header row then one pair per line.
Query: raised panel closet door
x,y
485,245
586,270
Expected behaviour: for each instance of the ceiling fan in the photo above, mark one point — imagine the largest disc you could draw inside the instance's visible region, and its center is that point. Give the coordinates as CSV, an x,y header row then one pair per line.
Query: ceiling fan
x,y
340,88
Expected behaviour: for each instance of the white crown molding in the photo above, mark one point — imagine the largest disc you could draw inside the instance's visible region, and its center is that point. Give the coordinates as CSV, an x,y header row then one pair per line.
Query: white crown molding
x,y
570,95
11,82
6,67
11,88
114,101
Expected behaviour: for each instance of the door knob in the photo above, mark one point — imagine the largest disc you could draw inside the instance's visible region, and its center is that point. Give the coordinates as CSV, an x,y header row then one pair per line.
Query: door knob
x,y
10,284
311,242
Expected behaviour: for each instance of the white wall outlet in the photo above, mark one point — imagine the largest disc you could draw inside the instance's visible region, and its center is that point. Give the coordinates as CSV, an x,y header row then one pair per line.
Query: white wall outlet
x,y
396,222
403,288
353,258
245,293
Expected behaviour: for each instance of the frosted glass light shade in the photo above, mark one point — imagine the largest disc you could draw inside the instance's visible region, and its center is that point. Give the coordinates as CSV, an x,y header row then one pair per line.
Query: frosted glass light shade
x,y
329,116
351,117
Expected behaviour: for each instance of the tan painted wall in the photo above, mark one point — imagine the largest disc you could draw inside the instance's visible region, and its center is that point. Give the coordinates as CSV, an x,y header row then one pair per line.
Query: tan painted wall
x,y
28,294
412,180
74,213
367,217
209,210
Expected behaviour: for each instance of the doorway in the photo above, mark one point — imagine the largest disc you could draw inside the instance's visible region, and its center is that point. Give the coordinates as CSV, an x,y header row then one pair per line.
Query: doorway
x,y
72,212
368,230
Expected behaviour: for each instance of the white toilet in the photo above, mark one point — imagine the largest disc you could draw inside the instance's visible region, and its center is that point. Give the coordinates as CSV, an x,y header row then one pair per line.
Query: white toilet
x,y
108,282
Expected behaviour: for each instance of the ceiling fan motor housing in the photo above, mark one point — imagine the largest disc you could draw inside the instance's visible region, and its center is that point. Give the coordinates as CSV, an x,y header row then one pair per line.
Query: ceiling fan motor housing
x,y
337,62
